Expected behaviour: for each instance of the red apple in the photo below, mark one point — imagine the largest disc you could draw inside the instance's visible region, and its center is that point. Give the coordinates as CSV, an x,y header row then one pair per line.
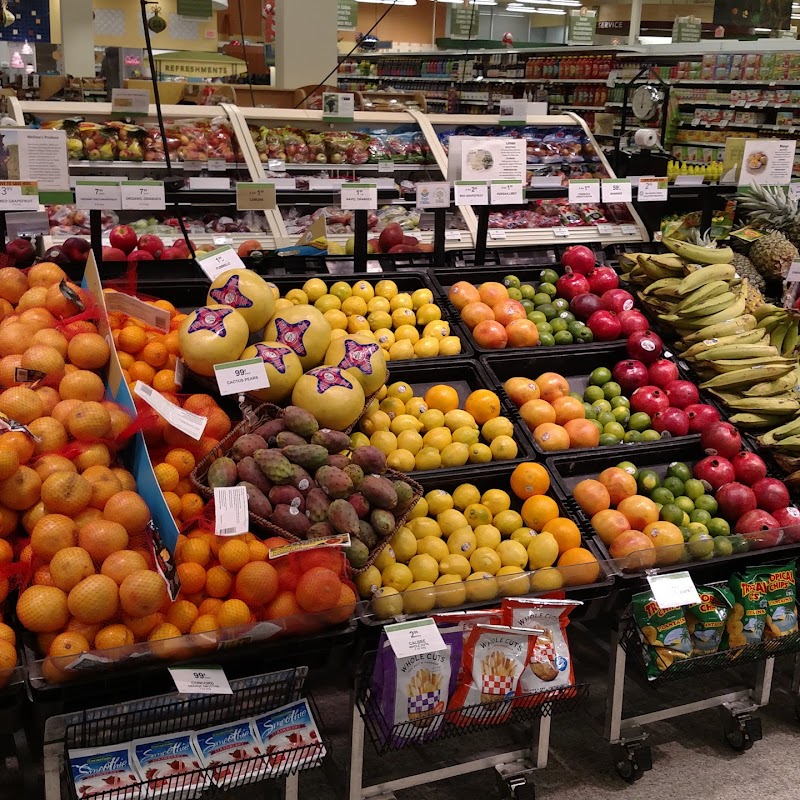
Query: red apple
x,y
57,256
649,399
749,467
140,255
77,249
113,254
602,279
152,244
716,471
173,254
630,375
572,284
373,246
632,321
721,438
617,300
410,241
390,237
662,372
700,416
584,305
771,494
645,345
21,250
682,393
579,259
124,238
672,420
735,500
604,325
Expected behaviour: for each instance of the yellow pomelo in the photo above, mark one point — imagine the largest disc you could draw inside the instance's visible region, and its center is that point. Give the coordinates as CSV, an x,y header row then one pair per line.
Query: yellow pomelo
x,y
245,291
304,329
334,397
361,357
283,370
212,335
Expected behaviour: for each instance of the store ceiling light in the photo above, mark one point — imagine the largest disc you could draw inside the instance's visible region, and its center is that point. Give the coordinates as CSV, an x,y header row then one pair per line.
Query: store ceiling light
x,y
572,3
391,2
530,10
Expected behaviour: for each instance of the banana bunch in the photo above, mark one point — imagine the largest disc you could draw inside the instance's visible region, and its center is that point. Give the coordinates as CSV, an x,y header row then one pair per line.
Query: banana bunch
x,y
783,326
698,254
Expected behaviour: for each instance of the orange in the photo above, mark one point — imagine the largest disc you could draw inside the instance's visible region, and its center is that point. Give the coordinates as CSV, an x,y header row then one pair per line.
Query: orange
x,y
196,550
537,412
173,504
141,371
198,403
565,532
125,359
7,633
50,398
43,609
13,284
205,623
95,599
192,506
89,422
483,405
120,564
552,385
285,605
582,433
21,443
8,368
233,614
578,567
529,479
131,339
668,541
129,510
45,274
492,292
475,313
344,608
69,566
142,593
441,397
8,522
104,487
591,496
66,493
52,533
9,462
218,425
8,660
233,555
639,511
164,381
49,337
164,642
182,614
209,606
57,303
88,351
22,490
119,420
81,385
43,576
551,437
141,626
50,463
258,551
68,644
508,311
155,354
538,510
101,538
318,590
51,434
93,455
568,408
609,524
113,636
63,409
257,583
33,515
218,582
192,577
182,460
21,404
38,319
43,358
86,516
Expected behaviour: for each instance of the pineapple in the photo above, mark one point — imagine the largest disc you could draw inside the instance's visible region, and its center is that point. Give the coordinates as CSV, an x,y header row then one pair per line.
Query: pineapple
x,y
771,208
745,269
772,255
752,296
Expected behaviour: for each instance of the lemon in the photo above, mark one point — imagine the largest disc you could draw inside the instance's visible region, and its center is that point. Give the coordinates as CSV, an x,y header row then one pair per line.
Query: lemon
x,y
385,441
466,436
368,582
428,313
438,501
385,558
512,582
450,591
457,418
438,438
282,303
428,458
336,319
341,290
420,297
507,522
404,544
387,602
297,297
397,576
328,303
546,580
387,289
337,333
477,514
416,406
422,527
450,346
456,454
357,324
407,332
402,390
314,289
487,536
364,290
402,300
427,347
450,520
384,337
401,460
484,559
512,554
424,567
437,329
542,551
454,564
392,406
378,320
409,440
377,421
499,426
503,448
433,546
403,316
496,500
420,510
480,587
419,598
358,439
432,418
524,536
404,422
462,542
373,406
479,453
378,304
381,393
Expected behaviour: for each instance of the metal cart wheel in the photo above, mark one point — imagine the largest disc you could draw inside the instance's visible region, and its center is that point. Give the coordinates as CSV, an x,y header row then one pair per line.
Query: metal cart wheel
x,y
742,732
632,761
518,789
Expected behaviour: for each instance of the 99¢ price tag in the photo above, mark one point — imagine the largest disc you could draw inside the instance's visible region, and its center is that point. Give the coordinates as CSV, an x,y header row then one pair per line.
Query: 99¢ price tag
x,y
674,590
200,680
234,377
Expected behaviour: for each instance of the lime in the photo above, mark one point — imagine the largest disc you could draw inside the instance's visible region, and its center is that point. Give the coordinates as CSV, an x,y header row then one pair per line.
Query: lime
x,y
685,532
679,470
544,328
615,429
591,394
697,527
547,288
558,325
585,335
629,467
567,316
611,390
620,402
511,280
639,421
537,318
685,503
701,545
651,436
609,440
718,527
588,410
575,326
671,513
722,546
700,516
514,293
622,415
705,501
600,376
675,485
548,309
549,276
662,495
632,437
528,291
604,417
647,480
541,299
601,405
576,395
597,425
528,305
561,304
740,544
546,340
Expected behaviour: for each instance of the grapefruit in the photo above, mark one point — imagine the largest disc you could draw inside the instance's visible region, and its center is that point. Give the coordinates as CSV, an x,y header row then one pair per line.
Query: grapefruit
x,y
212,335
245,291
304,329
334,397
283,369
361,357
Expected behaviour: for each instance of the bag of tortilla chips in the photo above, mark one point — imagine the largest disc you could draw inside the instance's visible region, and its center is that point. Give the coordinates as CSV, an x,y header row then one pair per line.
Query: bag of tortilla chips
x,y
664,631
706,621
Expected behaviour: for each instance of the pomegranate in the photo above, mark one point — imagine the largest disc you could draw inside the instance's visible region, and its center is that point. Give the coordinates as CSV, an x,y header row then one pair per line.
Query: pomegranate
x,y
617,300
749,467
21,250
682,393
761,529
645,345
700,416
602,279
124,238
631,321
771,494
572,284
604,325
735,500
721,438
672,421
584,305
716,471
152,244
579,259
630,375
662,372
649,399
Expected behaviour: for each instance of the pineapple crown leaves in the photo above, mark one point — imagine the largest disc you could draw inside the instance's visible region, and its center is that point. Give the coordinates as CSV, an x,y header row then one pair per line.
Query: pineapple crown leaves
x,y
770,205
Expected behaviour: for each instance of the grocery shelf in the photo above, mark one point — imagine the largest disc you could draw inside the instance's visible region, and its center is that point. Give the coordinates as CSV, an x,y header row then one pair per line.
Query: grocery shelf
x,y
445,79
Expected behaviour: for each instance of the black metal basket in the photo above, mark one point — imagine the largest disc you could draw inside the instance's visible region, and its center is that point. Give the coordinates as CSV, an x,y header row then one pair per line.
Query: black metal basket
x,y
523,708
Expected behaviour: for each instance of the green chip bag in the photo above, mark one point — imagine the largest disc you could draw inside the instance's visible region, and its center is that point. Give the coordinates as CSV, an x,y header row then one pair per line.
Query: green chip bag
x,y
746,621
781,617
664,631
706,620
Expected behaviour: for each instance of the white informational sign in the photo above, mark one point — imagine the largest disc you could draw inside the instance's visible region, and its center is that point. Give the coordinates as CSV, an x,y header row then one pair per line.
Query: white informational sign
x,y
256,196
325,184
142,195
629,230
414,638
359,196
560,231
604,229
234,377
584,191
386,167
767,161
191,424
673,590
653,189
157,318
231,511
545,181
98,195
217,165
200,680
19,196
793,276
506,193
794,190
689,180
471,193
493,159
219,260
130,102
210,184
37,155
435,195
617,190
338,106
497,233
513,112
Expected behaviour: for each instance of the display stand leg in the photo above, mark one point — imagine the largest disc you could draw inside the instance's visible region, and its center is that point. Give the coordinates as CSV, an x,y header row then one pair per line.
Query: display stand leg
x,y
96,233
292,788
52,771
361,235
356,755
543,742
439,223
616,682
481,236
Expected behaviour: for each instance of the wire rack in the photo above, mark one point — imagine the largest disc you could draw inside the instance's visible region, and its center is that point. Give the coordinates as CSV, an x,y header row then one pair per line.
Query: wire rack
x,y
170,714
386,737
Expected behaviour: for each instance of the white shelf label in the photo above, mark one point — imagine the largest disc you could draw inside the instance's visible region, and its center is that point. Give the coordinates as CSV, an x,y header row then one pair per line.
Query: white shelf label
x,y
133,307
471,193
497,233
545,181
414,638
653,189
434,195
19,196
191,424
210,184
142,195
673,590
386,167
629,230
689,180
217,165
793,275
200,680
506,193
323,184
584,191
130,102
605,229
452,236
359,197
219,260
276,165
98,195
241,376
284,183
617,191
231,511
560,231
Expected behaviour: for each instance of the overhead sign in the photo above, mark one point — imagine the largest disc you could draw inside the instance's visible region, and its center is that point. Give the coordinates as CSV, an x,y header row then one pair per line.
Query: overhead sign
x,y
581,26
347,15
687,29
464,22
195,8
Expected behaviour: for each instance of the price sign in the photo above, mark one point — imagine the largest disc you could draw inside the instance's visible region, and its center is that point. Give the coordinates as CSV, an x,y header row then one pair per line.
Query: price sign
x,y
359,196
130,102
386,166
506,193
793,275
234,377
471,193
452,236
338,106
19,196
689,180
133,307
142,195
98,195
200,680
217,165
231,511
653,189
673,590
210,184
255,196
604,229
587,191
545,181
436,195
497,233
191,424
617,191
414,638
219,260
560,231
629,230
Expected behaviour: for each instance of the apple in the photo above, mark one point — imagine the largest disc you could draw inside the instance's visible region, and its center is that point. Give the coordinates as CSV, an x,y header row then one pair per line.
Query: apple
x,y
173,254
77,249
403,248
21,250
373,246
662,372
152,244
604,325
630,375
735,500
700,416
124,238
716,471
721,438
682,393
672,420
632,321
617,300
771,494
602,279
645,346
140,255
391,236
749,467
113,254
572,284
244,250
649,399
579,259
410,241
789,520
584,305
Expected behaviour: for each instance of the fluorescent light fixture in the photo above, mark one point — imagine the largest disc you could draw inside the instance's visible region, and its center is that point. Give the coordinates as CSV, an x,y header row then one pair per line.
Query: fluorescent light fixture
x,y
763,30
389,2
575,3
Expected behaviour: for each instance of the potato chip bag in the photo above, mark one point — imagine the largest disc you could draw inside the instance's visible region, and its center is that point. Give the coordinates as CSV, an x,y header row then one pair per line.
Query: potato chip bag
x,y
706,620
746,621
781,618
665,633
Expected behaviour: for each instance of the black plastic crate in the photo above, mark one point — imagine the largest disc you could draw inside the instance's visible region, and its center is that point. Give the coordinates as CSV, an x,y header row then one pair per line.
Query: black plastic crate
x,y
531,256
569,469
576,369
